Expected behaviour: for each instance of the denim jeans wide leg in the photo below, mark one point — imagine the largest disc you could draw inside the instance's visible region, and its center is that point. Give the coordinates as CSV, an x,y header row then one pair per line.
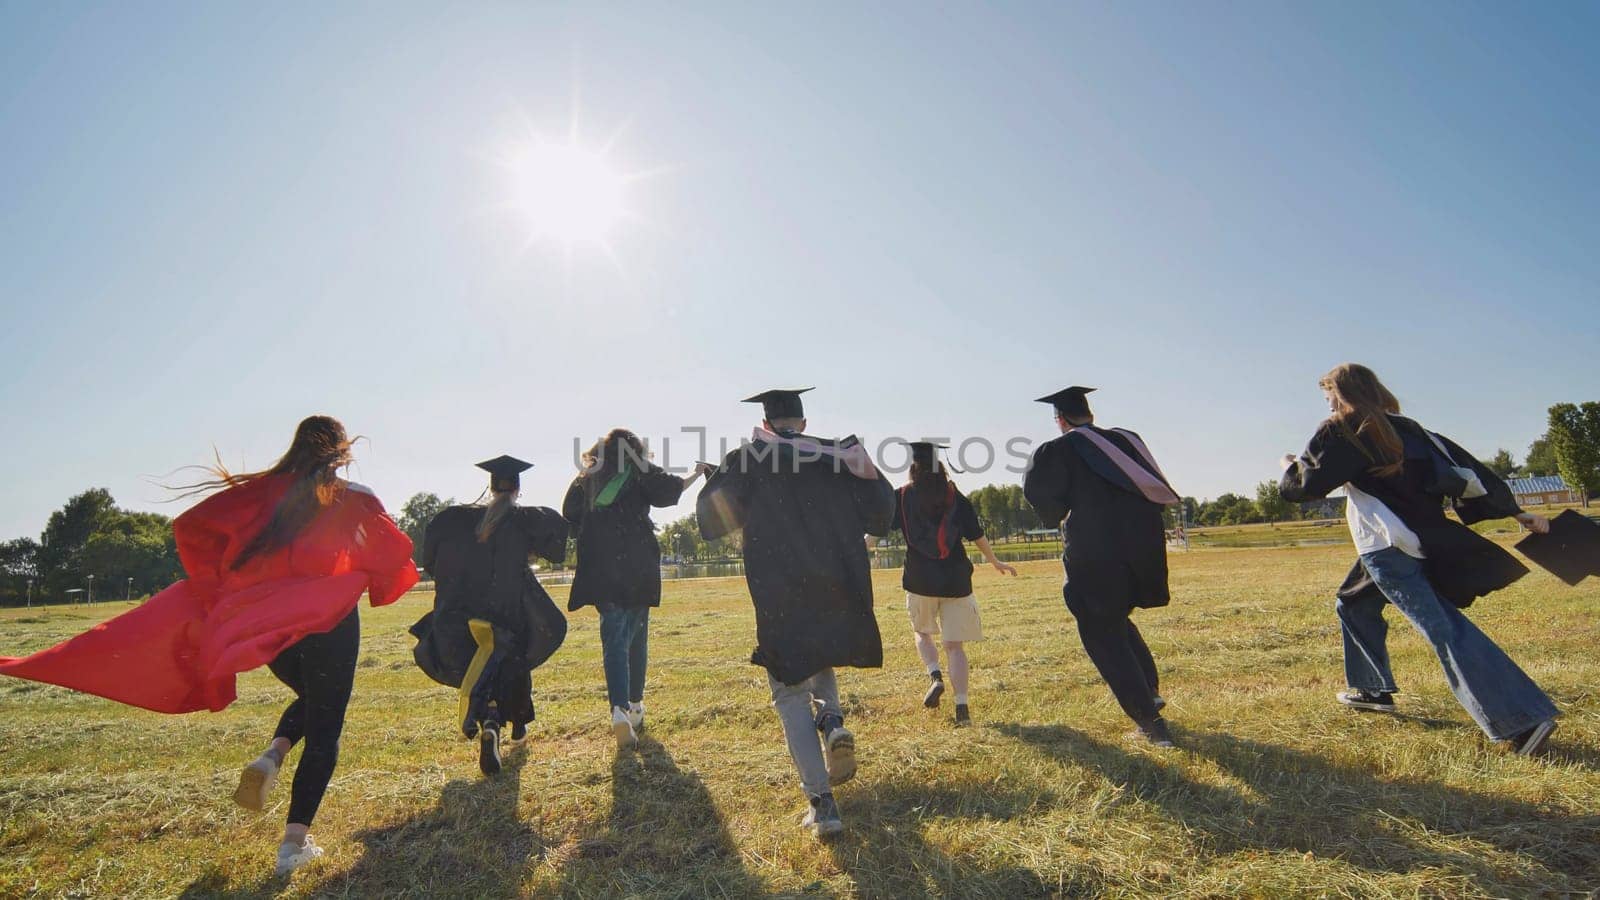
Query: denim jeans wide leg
x,y
1498,695
619,628
638,654
1366,643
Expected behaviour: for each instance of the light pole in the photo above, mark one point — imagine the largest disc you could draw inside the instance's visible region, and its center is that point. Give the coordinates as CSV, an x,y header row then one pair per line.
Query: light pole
x,y
91,591
30,593
129,595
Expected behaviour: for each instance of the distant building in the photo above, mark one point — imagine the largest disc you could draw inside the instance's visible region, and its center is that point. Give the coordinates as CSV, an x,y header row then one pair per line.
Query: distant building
x,y
1542,490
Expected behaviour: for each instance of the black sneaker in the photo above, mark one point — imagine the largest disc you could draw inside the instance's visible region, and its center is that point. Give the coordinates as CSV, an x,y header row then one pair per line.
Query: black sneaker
x,y
489,749
935,691
519,730
823,817
962,716
1156,733
1374,701
1532,741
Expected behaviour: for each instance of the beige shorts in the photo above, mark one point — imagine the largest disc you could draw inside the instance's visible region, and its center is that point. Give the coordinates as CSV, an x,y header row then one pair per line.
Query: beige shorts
x,y
953,618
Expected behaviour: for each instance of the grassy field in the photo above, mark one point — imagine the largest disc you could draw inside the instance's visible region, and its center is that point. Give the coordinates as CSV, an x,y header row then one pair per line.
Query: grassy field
x,y
1277,791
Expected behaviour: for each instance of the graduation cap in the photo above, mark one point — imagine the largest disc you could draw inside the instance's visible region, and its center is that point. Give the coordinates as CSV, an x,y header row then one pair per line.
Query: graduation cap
x,y
1072,402
1571,551
780,403
925,453
505,472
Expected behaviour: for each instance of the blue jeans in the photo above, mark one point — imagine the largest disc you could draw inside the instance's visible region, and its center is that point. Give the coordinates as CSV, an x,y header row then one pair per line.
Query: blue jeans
x,y
1497,694
624,648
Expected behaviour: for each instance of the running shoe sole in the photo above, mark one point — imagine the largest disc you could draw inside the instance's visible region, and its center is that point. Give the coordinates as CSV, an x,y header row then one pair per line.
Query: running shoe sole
x,y
623,732
841,756
255,783
489,751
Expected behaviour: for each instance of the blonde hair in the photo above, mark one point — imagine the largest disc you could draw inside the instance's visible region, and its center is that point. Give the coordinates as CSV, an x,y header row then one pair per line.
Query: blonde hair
x,y
1362,407
501,503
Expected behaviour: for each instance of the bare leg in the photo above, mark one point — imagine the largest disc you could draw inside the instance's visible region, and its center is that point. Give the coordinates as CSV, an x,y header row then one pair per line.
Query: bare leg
x,y
928,649
956,654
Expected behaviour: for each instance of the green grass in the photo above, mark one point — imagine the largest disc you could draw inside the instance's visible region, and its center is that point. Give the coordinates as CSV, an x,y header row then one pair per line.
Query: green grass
x,y
1277,791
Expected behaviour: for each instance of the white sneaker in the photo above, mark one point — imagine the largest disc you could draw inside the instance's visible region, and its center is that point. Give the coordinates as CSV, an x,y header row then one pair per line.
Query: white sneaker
x,y
840,745
255,782
636,716
291,857
622,729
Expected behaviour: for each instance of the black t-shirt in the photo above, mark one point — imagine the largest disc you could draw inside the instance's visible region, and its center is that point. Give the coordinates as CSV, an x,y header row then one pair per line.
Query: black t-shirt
x,y
925,572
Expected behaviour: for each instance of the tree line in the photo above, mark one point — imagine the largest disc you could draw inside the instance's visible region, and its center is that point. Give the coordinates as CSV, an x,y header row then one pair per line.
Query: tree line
x,y
133,553
90,544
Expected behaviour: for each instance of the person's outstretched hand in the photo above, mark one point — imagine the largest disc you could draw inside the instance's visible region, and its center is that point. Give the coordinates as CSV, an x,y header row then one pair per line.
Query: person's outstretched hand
x,y
1534,522
1004,569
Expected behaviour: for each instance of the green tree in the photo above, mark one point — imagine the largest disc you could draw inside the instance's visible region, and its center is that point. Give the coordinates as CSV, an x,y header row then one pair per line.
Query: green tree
x,y
65,535
1575,437
1023,518
1271,505
19,564
1541,457
415,516
1502,464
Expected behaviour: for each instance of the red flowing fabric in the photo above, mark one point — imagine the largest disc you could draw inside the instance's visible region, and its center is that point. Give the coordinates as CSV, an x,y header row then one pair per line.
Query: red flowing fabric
x,y
181,649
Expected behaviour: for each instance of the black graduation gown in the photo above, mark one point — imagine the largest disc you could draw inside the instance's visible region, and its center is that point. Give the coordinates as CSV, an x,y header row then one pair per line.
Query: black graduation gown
x,y
1461,564
804,556
926,573
491,581
619,560
1114,543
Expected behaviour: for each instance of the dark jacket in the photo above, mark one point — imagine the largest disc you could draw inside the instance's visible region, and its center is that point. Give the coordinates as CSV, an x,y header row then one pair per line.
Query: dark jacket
x,y
619,560
489,581
1114,544
804,555
937,564
1461,564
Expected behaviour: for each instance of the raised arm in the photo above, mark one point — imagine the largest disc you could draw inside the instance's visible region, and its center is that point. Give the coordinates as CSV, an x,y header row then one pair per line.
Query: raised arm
x,y
547,529
384,553
720,508
1498,503
1329,461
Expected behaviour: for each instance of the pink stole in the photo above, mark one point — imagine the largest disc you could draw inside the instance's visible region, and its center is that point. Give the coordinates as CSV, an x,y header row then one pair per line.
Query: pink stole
x,y
854,457
1153,488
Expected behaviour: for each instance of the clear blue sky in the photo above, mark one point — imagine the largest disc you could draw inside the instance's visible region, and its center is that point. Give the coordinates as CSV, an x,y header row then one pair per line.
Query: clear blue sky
x,y
217,218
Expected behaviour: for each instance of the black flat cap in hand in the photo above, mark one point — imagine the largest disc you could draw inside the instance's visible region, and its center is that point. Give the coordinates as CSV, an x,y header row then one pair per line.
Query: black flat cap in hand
x,y
1571,551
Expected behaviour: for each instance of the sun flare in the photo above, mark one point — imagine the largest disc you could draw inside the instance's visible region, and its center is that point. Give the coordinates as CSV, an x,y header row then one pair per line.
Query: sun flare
x,y
566,193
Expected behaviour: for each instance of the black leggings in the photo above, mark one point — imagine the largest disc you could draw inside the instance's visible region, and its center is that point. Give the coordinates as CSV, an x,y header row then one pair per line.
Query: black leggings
x,y
320,669
1118,650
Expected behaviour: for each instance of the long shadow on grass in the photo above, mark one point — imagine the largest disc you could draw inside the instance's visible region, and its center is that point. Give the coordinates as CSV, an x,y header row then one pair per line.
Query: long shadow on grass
x,y
664,837
1310,805
885,851
473,844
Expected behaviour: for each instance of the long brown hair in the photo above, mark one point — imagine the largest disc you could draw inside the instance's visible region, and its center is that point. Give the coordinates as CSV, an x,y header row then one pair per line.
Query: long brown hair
x,y
607,457
1363,406
319,449
933,490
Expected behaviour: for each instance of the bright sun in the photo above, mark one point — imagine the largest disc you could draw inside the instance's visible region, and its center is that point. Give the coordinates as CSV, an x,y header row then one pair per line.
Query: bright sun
x,y
566,193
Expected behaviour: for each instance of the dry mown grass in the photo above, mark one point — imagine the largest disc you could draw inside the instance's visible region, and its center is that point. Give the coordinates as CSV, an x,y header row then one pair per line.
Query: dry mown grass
x,y
1277,791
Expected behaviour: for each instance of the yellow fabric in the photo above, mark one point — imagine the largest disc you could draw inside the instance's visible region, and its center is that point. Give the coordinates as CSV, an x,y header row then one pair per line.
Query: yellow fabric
x,y
956,617
483,636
